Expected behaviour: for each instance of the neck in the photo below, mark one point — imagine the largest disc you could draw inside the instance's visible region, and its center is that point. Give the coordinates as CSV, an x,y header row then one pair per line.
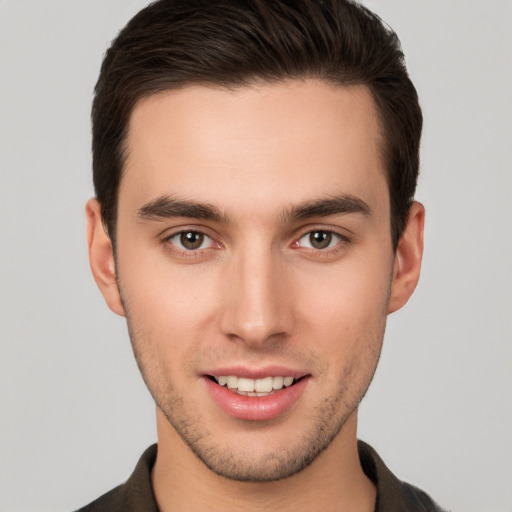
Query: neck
x,y
181,482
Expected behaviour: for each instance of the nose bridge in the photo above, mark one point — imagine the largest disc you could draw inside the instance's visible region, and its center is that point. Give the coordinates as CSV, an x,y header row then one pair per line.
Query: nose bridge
x,y
255,310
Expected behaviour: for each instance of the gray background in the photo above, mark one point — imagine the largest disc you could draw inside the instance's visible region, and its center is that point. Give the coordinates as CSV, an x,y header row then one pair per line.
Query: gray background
x,y
75,415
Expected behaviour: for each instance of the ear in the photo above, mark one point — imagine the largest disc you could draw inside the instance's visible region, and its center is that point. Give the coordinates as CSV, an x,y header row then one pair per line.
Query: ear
x,y
406,270
101,257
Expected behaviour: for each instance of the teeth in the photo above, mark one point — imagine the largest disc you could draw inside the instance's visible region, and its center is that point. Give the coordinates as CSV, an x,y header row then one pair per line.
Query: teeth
x,y
245,384
288,381
232,382
278,382
263,385
254,387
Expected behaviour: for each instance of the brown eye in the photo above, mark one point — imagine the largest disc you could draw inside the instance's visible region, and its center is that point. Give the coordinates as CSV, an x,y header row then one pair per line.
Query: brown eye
x,y
320,239
191,240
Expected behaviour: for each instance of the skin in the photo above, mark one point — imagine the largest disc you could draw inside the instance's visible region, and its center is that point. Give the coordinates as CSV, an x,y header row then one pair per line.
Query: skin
x,y
257,292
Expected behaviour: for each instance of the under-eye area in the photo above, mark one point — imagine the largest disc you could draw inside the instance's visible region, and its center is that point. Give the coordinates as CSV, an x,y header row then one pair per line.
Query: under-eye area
x,y
255,387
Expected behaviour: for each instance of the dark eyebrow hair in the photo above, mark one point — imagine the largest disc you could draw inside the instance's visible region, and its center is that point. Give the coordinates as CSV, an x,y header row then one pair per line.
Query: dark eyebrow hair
x,y
166,207
334,205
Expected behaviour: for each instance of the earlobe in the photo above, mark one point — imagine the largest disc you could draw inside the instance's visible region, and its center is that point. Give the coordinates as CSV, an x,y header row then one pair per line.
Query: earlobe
x,y
406,270
101,257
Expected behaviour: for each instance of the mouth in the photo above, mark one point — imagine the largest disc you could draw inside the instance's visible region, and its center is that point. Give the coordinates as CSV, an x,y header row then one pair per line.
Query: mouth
x,y
256,395
261,387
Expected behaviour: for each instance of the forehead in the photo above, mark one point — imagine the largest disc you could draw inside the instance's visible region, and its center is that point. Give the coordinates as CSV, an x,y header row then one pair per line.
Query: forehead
x,y
267,143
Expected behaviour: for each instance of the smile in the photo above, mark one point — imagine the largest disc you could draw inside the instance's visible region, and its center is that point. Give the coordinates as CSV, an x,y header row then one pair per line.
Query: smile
x,y
254,387
260,399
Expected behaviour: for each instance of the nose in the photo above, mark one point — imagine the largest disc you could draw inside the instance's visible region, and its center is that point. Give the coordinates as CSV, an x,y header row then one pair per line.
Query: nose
x,y
258,304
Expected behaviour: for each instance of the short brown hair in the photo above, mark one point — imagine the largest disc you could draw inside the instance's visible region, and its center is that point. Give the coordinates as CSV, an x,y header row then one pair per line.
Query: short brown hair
x,y
175,43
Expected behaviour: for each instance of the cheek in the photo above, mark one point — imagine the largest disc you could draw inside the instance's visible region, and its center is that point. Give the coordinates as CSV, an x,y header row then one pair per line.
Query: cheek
x,y
345,311
156,288
351,294
171,312
166,312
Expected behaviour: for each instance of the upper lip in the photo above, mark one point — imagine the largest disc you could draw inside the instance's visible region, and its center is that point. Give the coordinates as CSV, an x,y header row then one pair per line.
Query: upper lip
x,y
257,373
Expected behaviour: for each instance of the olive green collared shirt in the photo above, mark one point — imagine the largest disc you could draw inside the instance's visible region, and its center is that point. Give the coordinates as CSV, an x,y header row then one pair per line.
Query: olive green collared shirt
x,y
393,495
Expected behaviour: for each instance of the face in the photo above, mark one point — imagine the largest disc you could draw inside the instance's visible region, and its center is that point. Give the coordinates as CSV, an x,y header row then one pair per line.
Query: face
x,y
254,263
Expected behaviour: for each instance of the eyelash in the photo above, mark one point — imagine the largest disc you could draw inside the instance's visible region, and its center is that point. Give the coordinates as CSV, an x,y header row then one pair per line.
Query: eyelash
x,y
341,241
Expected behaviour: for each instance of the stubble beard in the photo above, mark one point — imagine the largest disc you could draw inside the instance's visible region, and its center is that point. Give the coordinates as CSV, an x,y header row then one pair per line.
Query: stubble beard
x,y
328,417
267,467
327,421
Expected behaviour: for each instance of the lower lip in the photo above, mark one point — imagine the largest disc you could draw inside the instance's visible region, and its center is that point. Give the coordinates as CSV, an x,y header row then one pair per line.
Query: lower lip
x,y
256,408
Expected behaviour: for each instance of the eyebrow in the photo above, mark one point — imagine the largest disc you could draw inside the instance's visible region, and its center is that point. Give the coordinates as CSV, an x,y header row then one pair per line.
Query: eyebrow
x,y
333,205
167,207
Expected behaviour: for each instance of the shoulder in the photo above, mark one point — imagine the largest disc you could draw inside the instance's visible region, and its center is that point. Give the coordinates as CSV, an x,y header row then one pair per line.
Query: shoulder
x,y
110,502
136,494
416,499
393,495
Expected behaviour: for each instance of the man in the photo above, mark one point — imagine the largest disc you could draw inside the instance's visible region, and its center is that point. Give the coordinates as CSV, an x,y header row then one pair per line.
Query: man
x,y
255,165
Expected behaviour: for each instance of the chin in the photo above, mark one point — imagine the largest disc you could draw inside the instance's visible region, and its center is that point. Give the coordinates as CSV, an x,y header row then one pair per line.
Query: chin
x,y
291,454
